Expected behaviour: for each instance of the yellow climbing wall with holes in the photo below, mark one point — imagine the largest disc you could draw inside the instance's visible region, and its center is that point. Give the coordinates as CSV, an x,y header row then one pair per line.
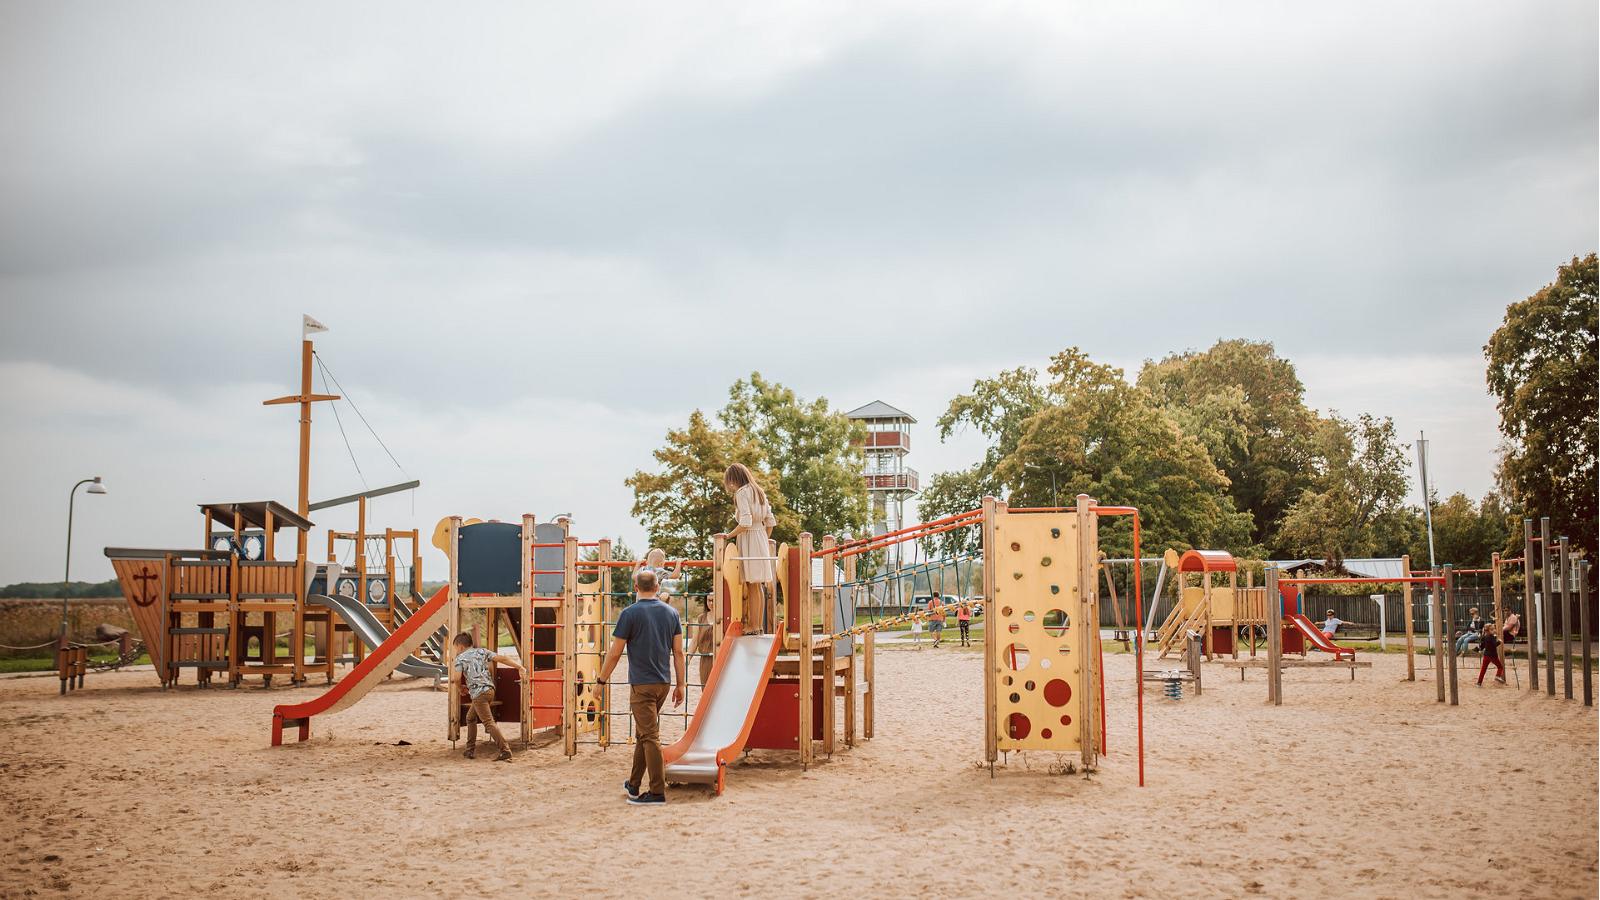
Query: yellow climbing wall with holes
x,y
588,612
1039,672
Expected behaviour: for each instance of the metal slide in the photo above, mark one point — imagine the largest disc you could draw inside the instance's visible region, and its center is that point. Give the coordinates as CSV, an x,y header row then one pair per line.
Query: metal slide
x,y
384,659
727,709
1318,639
366,627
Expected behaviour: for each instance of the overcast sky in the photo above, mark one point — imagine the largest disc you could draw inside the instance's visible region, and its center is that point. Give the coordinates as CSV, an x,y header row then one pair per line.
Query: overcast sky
x,y
543,234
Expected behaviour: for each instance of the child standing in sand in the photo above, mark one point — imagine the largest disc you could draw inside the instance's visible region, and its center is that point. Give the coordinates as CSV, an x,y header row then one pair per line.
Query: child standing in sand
x,y
1489,645
752,531
473,668
964,622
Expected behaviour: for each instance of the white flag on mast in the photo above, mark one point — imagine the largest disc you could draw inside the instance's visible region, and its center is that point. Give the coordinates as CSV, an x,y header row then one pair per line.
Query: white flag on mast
x,y
310,326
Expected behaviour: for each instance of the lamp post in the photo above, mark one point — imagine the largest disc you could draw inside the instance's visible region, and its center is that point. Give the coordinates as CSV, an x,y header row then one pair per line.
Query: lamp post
x,y
96,486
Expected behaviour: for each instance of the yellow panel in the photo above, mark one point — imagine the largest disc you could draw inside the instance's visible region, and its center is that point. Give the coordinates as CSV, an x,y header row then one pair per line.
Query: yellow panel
x,y
587,624
1192,598
1038,701
1221,604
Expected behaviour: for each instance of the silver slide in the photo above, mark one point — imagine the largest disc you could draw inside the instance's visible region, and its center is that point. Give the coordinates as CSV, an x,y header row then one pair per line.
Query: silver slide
x,y
371,632
720,724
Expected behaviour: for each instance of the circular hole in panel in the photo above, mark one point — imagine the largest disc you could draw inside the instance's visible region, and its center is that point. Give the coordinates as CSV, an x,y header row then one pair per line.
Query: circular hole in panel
x,y
1029,686
1015,628
1016,656
1016,698
1005,611
1028,616
1044,663
1015,546
1044,733
1018,726
1066,720
1056,622
1008,681
1045,562
1058,693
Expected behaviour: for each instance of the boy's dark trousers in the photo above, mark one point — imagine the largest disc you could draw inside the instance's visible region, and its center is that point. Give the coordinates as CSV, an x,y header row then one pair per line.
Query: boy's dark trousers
x,y
481,711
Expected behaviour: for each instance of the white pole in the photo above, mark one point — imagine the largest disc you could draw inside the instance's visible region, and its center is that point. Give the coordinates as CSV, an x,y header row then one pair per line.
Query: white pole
x,y
1383,622
1538,607
1427,514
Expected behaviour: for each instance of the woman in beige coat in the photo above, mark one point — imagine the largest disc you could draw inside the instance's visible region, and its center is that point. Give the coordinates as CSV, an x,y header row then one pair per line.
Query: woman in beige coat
x,y
751,532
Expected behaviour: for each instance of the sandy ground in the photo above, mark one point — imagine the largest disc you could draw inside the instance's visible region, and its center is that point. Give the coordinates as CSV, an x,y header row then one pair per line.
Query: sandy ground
x,y
1364,789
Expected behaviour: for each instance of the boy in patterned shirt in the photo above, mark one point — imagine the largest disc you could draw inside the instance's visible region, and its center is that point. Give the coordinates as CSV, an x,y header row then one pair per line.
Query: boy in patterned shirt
x,y
473,670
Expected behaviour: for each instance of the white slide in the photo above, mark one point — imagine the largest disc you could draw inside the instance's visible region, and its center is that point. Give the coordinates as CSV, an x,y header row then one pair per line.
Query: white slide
x,y
727,709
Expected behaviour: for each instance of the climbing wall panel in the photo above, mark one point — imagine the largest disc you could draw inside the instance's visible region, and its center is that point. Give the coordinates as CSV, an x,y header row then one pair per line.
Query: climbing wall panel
x,y
1042,692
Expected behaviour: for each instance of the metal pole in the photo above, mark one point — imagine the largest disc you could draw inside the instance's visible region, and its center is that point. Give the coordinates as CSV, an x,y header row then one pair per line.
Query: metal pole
x,y
1450,618
1427,500
1434,630
1529,617
1583,630
1564,577
66,575
1549,614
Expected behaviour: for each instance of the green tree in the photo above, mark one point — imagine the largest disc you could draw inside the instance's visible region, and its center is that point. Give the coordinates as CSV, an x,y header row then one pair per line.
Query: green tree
x,y
1465,534
1542,363
684,505
1362,480
816,453
1247,406
1089,431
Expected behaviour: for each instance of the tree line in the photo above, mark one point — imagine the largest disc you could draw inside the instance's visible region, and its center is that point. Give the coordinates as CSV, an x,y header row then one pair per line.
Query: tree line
x,y
1217,448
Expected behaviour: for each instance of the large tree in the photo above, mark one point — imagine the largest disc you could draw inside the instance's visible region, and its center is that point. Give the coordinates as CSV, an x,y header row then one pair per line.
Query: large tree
x,y
1247,406
1360,479
1542,364
684,505
816,453
1088,430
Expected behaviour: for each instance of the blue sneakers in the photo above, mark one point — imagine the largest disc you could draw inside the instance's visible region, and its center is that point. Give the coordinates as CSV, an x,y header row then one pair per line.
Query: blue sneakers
x,y
630,790
647,799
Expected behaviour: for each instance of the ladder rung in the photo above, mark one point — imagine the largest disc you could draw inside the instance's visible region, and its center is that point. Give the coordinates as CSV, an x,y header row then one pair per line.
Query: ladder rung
x,y
197,631
199,596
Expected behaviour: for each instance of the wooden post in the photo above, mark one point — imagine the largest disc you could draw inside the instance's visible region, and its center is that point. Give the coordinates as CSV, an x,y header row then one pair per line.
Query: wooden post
x,y
1450,618
719,608
1564,585
453,617
304,399
1583,630
829,650
991,656
1411,638
1088,631
800,607
868,675
1436,625
1549,611
1499,607
525,581
602,605
1233,614
858,674
236,640
567,642
1205,603
1274,611
1529,620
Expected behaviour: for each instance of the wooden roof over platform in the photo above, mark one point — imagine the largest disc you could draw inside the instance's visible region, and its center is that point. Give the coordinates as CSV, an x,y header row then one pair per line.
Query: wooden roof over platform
x,y
254,514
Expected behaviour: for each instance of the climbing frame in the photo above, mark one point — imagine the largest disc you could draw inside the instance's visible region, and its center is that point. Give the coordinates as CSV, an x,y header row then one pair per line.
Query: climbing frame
x,y
1041,640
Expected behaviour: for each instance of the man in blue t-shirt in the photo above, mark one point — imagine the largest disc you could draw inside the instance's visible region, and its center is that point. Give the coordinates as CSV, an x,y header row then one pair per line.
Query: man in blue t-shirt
x,y
648,630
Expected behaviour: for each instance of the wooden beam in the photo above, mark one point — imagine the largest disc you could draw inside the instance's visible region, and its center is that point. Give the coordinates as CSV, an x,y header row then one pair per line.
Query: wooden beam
x,y
991,656
1088,632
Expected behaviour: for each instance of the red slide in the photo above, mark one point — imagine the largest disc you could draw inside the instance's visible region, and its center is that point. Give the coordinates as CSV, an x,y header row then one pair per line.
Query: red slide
x,y
1320,640
375,668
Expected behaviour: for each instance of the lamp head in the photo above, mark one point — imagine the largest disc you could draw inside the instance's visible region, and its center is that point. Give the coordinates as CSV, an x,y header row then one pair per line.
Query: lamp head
x,y
96,486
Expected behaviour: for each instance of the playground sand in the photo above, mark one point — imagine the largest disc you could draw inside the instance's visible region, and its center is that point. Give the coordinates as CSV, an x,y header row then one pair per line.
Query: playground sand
x,y
1364,789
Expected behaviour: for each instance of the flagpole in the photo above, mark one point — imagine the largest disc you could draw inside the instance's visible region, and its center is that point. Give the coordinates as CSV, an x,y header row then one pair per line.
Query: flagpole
x,y
305,398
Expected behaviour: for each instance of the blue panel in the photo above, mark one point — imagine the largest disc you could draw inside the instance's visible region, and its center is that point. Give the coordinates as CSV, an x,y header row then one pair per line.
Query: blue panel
x,y
489,558
549,559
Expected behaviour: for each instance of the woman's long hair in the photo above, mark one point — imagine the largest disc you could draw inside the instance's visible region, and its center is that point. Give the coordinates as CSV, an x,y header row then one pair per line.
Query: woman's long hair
x,y
739,475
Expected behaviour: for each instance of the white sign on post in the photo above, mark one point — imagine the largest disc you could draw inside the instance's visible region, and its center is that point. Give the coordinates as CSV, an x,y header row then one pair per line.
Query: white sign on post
x,y
1383,622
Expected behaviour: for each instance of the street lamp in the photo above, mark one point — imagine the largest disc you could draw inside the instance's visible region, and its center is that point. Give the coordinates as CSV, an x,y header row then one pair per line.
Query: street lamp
x,y
96,486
